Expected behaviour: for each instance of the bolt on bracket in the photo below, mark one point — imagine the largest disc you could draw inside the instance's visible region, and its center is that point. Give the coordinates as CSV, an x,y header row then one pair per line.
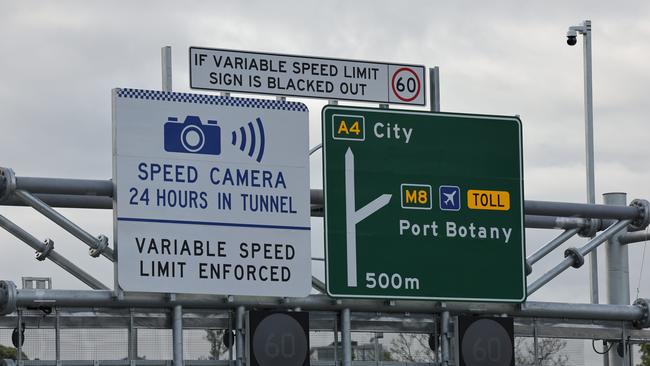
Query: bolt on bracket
x,y
644,322
643,220
7,297
578,258
49,245
102,244
7,183
591,228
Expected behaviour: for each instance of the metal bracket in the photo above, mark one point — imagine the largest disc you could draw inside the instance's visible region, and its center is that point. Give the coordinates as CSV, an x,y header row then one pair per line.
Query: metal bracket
x,y
7,297
529,268
102,244
578,259
644,322
644,215
49,245
7,183
591,228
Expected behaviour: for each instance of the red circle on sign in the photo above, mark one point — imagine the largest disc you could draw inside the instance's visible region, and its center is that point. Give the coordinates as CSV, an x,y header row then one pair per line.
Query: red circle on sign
x,y
417,91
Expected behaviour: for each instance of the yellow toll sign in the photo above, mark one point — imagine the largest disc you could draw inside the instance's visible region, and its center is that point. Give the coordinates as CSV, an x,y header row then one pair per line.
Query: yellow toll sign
x,y
488,200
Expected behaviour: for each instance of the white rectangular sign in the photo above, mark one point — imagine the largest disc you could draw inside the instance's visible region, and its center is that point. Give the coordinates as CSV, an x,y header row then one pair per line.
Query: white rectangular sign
x,y
211,194
328,78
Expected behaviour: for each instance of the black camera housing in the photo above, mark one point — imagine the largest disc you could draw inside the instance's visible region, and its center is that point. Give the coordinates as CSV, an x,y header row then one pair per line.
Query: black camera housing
x,y
571,40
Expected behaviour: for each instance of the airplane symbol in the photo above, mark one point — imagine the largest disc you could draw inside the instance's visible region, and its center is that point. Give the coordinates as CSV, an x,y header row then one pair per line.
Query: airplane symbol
x,y
449,198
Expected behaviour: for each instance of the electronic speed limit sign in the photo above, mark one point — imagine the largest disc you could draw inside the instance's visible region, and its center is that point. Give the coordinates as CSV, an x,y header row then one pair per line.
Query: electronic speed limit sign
x,y
406,84
485,341
278,338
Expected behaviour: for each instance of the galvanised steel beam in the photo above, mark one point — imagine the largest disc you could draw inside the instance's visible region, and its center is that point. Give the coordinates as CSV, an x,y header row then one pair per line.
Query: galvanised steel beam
x,y
81,299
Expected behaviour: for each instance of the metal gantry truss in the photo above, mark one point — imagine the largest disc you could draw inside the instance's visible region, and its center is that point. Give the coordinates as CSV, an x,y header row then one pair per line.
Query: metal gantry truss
x,y
618,225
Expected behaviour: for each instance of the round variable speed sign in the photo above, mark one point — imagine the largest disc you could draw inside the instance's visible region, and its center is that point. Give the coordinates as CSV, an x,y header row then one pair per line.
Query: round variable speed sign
x,y
279,339
487,342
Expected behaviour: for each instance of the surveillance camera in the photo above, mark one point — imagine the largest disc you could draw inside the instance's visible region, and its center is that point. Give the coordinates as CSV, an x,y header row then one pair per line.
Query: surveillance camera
x,y
571,40
571,37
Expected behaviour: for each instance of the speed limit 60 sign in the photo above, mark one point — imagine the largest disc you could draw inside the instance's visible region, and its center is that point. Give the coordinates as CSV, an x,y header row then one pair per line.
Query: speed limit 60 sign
x,y
306,76
485,341
406,84
278,338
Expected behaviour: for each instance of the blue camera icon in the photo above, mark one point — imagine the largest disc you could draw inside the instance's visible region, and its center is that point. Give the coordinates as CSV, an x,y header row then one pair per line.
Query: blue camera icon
x,y
192,136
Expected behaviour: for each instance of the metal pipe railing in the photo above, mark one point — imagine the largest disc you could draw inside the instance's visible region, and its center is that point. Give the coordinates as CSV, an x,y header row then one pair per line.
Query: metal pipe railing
x,y
586,210
65,201
87,193
104,188
80,187
79,298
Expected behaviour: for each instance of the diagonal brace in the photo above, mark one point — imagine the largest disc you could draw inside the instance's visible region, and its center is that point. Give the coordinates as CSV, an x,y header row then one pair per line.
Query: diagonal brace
x,y
571,260
46,250
547,248
98,245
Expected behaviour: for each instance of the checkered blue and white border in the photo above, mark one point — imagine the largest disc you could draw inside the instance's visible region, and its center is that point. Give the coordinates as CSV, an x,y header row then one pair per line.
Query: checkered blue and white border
x,y
210,99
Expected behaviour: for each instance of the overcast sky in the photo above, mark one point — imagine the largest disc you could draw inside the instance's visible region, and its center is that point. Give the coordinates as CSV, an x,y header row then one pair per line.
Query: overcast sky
x,y
61,59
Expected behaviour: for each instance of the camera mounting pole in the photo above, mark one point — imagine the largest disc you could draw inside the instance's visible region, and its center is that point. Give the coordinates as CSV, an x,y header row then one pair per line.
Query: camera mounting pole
x,y
585,30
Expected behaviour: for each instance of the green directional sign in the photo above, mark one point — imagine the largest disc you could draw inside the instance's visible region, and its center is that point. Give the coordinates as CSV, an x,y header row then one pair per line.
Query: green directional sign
x,y
423,205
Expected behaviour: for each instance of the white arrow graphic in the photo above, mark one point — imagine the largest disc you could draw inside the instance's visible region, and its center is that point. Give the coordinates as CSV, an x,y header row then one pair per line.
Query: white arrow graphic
x,y
353,217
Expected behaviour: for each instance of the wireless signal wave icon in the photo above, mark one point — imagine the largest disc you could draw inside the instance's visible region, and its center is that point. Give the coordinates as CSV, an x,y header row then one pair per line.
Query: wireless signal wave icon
x,y
250,138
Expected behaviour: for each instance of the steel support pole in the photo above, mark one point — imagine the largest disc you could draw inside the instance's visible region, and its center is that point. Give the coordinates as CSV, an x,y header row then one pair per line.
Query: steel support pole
x,y
444,337
589,151
19,349
535,345
67,225
177,334
54,256
346,337
559,240
132,339
239,336
336,339
571,260
434,82
57,337
166,63
618,276
177,330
